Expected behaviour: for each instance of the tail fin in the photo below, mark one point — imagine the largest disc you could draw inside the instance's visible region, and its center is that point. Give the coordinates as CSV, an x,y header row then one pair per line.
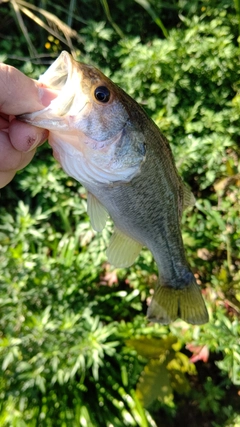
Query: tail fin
x,y
168,304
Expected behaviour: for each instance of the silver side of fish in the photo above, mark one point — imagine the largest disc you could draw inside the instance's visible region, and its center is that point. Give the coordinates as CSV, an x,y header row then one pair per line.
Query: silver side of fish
x,y
105,140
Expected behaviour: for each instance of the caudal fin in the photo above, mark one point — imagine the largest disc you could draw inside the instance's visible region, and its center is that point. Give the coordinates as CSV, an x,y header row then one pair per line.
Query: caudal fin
x,y
168,304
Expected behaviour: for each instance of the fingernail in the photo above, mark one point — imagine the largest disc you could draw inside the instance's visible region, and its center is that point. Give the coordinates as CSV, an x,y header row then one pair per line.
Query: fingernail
x,y
44,136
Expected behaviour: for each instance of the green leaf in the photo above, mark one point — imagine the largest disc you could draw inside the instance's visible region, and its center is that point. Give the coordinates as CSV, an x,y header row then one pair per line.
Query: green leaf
x,y
147,6
152,347
154,383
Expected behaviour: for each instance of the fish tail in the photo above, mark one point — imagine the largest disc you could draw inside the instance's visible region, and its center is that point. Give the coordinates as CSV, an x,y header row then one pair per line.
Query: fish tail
x,y
187,303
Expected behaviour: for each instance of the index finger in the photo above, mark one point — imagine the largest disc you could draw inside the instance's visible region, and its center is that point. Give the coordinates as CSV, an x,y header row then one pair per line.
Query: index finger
x,y
20,94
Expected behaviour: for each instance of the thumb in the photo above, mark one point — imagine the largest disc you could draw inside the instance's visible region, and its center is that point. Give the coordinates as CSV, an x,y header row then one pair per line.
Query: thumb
x,y
28,95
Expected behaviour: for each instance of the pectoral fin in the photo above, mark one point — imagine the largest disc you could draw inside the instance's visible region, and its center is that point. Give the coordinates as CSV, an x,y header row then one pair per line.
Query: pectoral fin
x,y
168,304
97,213
188,197
122,250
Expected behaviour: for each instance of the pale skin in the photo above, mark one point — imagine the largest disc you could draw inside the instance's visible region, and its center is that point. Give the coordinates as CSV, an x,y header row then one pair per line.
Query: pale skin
x,y
18,141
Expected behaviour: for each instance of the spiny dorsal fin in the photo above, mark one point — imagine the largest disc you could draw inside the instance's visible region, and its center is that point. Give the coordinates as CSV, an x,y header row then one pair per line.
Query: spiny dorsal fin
x,y
97,213
122,250
188,197
168,304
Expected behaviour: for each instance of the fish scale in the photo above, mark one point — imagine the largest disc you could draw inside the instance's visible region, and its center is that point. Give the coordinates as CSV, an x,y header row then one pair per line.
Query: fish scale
x,y
106,141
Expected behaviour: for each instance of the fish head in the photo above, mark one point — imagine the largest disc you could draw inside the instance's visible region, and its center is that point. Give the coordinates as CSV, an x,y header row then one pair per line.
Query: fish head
x,y
89,122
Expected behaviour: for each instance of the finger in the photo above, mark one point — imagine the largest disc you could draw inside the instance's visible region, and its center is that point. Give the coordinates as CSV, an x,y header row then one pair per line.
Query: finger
x,y
25,137
11,159
6,177
20,94
3,123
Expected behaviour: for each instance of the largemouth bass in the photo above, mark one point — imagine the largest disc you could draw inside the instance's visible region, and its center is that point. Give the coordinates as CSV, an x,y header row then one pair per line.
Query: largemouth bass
x,y
105,140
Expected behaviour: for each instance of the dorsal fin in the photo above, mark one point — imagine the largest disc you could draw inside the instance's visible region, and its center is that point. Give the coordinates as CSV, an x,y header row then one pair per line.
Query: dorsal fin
x,y
122,250
97,213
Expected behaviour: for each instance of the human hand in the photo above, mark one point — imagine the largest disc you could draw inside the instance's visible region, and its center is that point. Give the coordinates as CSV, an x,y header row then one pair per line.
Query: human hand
x,y
18,141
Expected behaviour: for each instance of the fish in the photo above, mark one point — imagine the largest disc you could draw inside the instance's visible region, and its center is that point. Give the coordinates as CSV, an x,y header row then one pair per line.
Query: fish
x,y
105,140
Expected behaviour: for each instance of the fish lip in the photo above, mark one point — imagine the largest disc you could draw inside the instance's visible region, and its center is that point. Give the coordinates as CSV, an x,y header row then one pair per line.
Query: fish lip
x,y
34,121
62,66
53,122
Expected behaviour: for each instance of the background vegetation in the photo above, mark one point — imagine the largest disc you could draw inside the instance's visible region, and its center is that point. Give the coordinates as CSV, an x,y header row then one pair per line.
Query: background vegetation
x,y
75,346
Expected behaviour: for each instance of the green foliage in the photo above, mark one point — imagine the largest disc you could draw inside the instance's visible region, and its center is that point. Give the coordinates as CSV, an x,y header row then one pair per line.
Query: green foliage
x,y
165,371
75,347
190,100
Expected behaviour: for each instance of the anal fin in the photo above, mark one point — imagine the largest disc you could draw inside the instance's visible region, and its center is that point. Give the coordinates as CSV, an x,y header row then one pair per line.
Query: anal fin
x,y
168,304
97,213
122,250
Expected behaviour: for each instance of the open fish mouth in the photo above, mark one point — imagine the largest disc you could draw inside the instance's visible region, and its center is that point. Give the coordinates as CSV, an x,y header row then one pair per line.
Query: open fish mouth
x,y
59,72
65,80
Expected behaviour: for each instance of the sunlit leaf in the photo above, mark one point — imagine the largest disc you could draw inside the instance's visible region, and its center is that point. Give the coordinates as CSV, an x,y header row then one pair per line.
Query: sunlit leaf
x,y
154,383
152,347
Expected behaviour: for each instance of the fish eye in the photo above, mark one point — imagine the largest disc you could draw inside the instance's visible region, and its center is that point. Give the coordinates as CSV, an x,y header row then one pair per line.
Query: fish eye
x,y
102,94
